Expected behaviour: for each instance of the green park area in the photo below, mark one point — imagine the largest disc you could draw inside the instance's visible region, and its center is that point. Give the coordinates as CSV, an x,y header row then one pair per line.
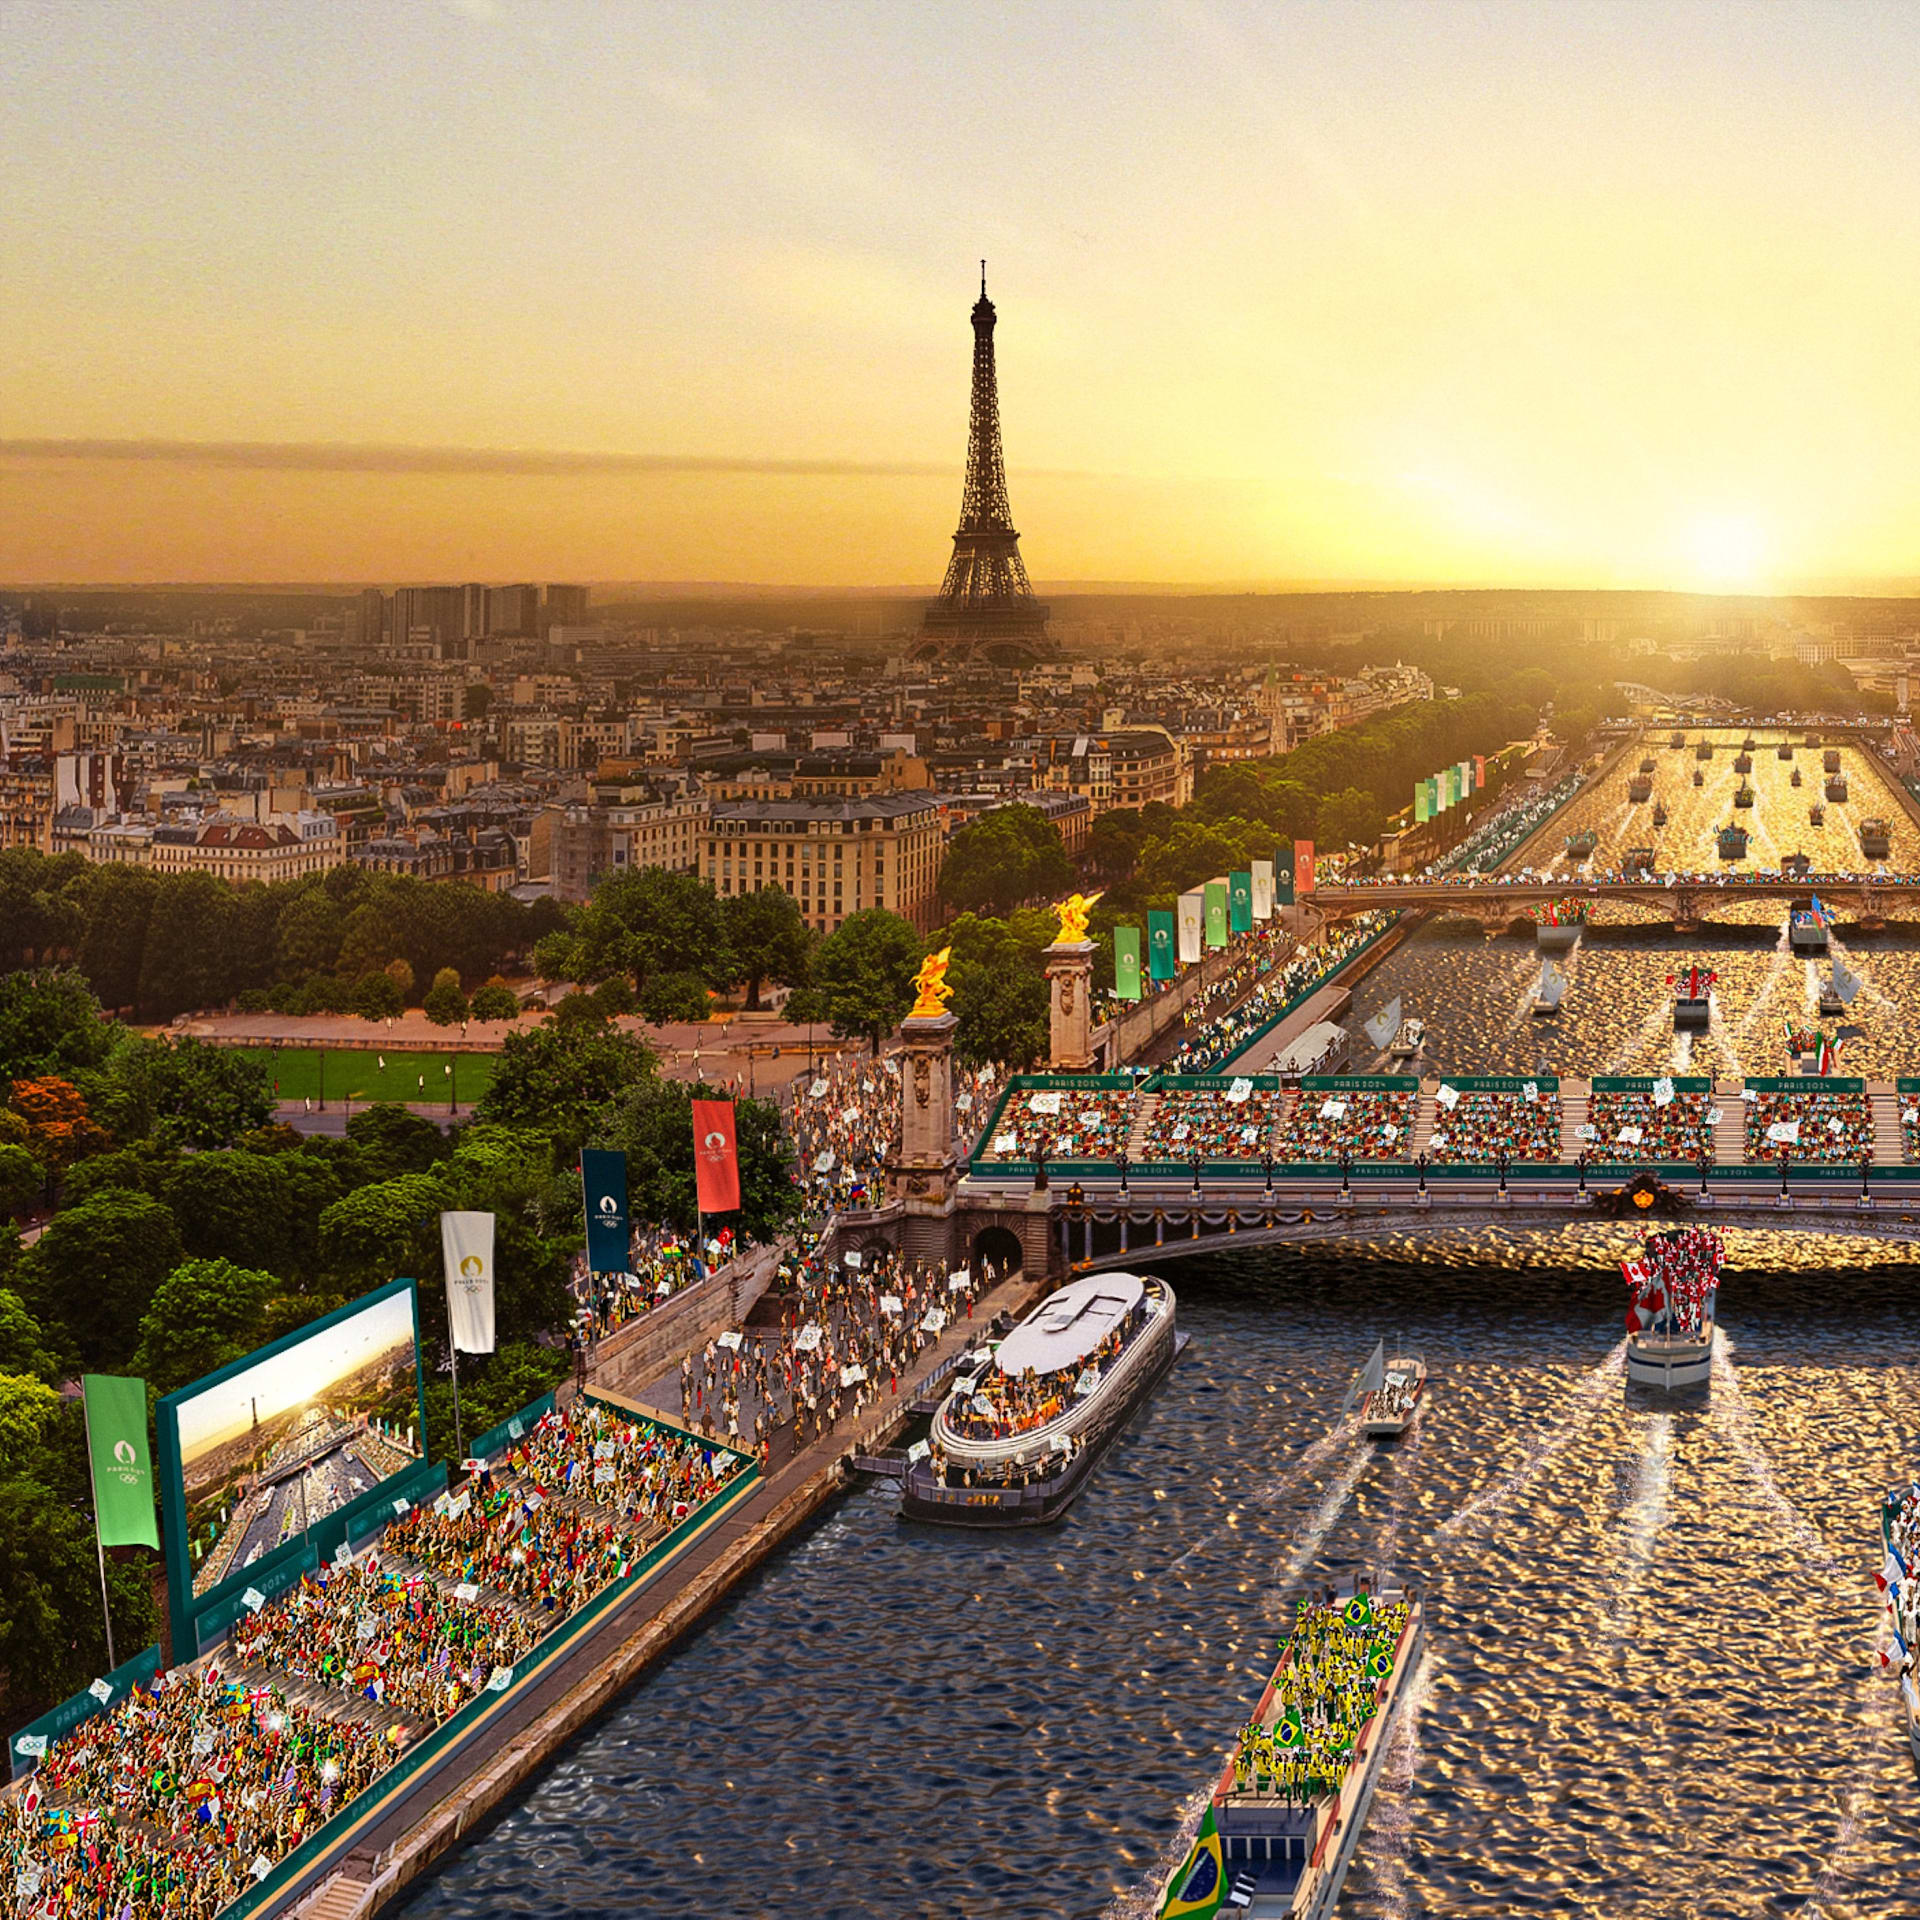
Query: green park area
x,y
347,1073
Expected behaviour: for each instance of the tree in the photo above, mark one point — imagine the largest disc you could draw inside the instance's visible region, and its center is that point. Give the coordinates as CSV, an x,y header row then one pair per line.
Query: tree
x,y
393,1139
1000,992
25,1346
768,939
50,1023
493,1387
118,905
445,1004
1350,818
59,1128
376,996
204,1314
95,1268
189,959
643,921
673,996
187,1093
27,1406
231,1206
1007,857
865,970
558,1078
496,1001
400,972
307,939
389,1228
21,1179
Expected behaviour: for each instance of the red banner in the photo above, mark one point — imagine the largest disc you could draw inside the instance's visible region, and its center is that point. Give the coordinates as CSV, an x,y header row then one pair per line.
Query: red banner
x,y
716,1159
1302,867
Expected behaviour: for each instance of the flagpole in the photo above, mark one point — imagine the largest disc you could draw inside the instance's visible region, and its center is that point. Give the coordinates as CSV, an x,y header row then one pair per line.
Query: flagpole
x,y
106,1608
453,1354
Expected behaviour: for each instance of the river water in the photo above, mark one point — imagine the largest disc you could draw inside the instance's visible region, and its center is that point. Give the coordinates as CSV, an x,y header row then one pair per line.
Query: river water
x,y
1652,1685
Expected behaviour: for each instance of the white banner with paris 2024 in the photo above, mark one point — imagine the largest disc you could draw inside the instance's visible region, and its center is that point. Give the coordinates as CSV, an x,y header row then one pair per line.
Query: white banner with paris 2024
x,y
466,1246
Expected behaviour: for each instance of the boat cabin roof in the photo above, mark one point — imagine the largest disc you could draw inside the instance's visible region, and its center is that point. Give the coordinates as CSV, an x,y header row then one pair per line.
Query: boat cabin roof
x,y
1068,1325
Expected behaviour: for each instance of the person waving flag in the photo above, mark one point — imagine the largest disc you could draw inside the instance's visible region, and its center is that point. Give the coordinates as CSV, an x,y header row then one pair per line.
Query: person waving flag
x,y
1199,1883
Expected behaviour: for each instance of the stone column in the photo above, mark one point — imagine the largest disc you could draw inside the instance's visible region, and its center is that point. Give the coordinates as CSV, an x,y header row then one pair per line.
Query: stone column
x,y
924,1170
1070,970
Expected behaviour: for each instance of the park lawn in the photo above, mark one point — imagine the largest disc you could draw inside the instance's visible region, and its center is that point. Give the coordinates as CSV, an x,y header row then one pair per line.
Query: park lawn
x,y
357,1076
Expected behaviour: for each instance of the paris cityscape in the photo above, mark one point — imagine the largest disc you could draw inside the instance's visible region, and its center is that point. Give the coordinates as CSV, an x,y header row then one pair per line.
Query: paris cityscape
x,y
903,918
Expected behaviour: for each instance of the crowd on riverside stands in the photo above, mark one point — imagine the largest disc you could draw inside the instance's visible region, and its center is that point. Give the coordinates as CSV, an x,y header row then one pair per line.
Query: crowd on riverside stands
x,y
1910,1125
1209,1122
1064,1123
1482,1127
847,1337
663,1261
1814,1124
1369,1124
189,1790
1218,1037
1333,1673
1635,1127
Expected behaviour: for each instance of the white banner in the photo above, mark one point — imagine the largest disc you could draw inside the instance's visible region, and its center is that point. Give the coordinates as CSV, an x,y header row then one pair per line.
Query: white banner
x,y
466,1248
1189,915
1263,889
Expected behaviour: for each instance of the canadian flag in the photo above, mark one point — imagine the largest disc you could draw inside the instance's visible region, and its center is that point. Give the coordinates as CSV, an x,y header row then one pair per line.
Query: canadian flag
x,y
1636,1274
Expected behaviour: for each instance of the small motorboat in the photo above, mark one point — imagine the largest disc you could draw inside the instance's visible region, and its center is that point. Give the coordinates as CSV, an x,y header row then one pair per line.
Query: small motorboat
x,y
1408,1041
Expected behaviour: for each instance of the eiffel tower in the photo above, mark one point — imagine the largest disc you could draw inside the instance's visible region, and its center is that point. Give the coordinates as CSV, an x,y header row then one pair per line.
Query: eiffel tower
x,y
986,610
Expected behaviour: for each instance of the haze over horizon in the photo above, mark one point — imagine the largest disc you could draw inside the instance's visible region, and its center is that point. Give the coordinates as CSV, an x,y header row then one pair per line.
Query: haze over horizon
x,y
1377,296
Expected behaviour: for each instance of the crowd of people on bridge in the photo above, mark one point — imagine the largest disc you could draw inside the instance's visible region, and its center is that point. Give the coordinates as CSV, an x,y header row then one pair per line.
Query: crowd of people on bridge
x,y
1484,1127
1368,1123
1233,1121
1064,1123
1634,1126
1809,1124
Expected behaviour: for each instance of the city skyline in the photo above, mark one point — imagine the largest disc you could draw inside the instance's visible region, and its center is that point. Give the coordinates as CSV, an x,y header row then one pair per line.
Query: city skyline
x,y
1363,297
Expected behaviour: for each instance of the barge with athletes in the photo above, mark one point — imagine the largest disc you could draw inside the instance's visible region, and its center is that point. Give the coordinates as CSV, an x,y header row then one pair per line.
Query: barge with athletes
x,y
1279,1829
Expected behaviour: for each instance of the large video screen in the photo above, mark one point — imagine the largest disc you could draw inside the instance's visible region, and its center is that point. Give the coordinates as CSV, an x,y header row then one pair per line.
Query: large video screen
x,y
281,1439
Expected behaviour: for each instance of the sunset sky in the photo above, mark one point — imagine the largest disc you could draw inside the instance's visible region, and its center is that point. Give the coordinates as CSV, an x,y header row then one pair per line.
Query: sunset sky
x,y
1289,293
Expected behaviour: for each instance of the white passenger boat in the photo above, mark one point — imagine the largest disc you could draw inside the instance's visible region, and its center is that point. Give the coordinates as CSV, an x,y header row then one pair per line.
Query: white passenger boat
x,y
1018,1435
1899,1583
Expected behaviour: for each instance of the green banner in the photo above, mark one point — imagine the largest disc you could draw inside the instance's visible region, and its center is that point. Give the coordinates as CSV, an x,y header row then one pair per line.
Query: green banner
x,y
1163,963
1645,1082
1419,802
1126,962
1240,901
1283,876
121,1460
1806,1083
1216,908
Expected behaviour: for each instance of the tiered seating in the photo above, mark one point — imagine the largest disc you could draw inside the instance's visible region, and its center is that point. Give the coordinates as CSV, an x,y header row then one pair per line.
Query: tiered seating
x,y
1371,1125
1069,1123
1679,1130
1817,1123
1204,1121
1481,1126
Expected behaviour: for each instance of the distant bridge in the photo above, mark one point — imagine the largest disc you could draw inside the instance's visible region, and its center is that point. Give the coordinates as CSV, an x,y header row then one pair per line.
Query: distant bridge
x,y
1867,899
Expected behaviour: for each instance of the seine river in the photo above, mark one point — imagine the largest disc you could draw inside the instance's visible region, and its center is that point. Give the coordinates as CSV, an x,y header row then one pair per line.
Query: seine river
x,y
1653,1683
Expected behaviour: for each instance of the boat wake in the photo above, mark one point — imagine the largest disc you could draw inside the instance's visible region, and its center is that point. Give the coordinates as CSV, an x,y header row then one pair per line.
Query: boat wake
x,y
1326,1448
1141,1901
1646,1515
1584,1401
1391,1819
1307,1544
1734,1418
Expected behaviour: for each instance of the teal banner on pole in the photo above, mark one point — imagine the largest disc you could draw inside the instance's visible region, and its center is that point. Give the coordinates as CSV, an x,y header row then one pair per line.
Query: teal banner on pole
x,y
1240,901
603,1179
1163,963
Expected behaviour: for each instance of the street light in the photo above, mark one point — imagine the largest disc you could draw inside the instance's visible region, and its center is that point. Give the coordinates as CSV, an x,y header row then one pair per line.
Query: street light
x,y
1124,1163
1346,1170
1420,1161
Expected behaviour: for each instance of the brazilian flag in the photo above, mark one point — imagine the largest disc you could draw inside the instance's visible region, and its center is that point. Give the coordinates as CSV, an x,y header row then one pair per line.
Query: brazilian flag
x,y
1287,1731
1199,1883
1381,1665
1358,1611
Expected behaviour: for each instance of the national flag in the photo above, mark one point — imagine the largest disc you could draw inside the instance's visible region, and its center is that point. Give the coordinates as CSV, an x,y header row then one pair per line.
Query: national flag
x,y
1199,1883
1891,1573
1637,1276
1358,1612
1287,1731
716,1158
1381,1665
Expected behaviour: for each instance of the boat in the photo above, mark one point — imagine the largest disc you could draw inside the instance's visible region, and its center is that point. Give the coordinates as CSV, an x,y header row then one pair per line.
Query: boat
x,y
1830,761
1816,815
1279,1830
980,1470
1637,860
1806,931
1743,763
1784,751
1659,813
1550,991
1692,1007
1639,788
1836,788
1558,924
1732,843
1796,781
1678,739
1899,1579
1797,864
1699,779
1408,1041
1646,765
1580,845
1397,1401
1743,794
1673,1288
1876,838
1831,1005
1704,751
